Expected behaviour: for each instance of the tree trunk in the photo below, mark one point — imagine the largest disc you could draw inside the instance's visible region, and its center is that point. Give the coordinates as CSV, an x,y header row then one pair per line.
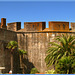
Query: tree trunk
x,y
20,61
67,71
12,62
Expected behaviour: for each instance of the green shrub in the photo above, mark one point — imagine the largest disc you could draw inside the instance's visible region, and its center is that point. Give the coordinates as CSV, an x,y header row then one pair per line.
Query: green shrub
x,y
34,70
66,66
50,72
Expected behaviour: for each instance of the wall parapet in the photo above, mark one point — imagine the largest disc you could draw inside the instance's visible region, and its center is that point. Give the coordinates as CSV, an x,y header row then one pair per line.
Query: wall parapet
x,y
49,32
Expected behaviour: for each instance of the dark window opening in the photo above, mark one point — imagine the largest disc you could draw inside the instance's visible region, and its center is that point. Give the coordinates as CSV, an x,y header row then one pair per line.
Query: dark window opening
x,y
63,26
33,26
38,25
59,26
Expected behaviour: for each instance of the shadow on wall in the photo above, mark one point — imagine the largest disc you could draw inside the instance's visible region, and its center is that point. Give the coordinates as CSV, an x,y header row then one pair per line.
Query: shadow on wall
x,y
27,66
16,62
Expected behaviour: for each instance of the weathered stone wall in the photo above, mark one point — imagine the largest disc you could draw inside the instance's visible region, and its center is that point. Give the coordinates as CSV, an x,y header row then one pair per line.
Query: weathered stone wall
x,y
5,37
14,26
4,57
3,23
34,26
1,53
0,25
73,26
59,26
36,44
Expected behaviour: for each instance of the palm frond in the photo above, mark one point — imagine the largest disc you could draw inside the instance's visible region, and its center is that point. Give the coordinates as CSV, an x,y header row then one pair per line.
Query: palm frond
x,y
12,45
64,47
22,52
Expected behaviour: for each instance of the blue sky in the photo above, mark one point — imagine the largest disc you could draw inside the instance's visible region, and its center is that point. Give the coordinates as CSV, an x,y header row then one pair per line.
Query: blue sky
x,y
35,11
37,0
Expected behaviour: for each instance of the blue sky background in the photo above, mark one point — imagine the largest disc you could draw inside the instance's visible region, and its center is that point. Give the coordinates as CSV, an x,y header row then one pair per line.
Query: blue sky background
x,y
37,0
35,11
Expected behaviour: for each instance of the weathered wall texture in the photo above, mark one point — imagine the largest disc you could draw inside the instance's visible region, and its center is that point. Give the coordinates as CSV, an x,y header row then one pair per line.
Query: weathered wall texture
x,y
0,25
1,53
59,26
34,26
14,26
36,44
4,57
73,26
5,37
3,23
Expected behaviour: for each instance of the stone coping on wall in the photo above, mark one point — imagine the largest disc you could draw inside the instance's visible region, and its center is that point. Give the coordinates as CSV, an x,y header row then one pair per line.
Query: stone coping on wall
x,y
58,21
6,30
13,22
49,32
54,31
35,22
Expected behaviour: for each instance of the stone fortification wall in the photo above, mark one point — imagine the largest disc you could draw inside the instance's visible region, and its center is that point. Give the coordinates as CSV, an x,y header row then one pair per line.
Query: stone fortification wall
x,y
0,25
3,23
14,26
34,26
36,44
55,25
73,26
5,37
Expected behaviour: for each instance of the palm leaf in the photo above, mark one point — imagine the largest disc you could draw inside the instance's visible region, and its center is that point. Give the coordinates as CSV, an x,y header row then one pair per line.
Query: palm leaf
x,y
64,47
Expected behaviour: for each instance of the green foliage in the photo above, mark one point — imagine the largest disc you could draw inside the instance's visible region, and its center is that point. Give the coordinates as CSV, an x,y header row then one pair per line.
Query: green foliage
x,y
65,46
34,70
12,45
22,51
50,72
66,66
